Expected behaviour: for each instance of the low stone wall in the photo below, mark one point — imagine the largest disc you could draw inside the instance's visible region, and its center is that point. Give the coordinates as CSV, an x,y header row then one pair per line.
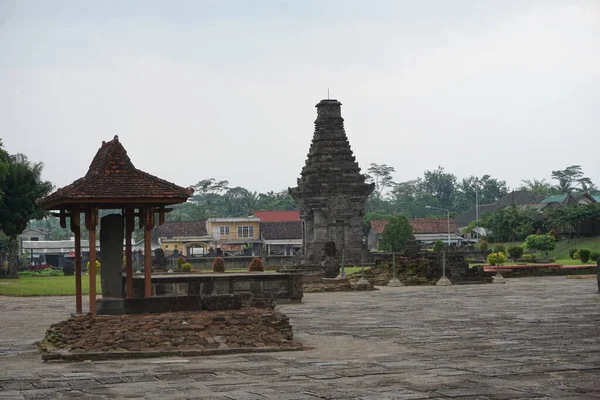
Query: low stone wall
x,y
270,262
278,286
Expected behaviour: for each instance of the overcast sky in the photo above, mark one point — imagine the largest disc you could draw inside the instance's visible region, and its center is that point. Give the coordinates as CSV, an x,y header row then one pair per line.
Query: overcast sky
x,y
227,89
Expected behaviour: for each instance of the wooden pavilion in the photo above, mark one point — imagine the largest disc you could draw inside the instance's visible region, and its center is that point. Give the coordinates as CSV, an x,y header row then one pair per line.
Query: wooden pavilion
x,y
112,182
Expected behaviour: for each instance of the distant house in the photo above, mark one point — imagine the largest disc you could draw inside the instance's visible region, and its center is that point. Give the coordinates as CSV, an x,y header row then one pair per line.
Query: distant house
x,y
227,236
189,238
576,199
33,234
425,230
281,238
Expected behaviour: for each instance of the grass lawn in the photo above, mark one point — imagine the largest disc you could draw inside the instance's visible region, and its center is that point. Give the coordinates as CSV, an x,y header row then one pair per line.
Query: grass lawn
x,y
45,286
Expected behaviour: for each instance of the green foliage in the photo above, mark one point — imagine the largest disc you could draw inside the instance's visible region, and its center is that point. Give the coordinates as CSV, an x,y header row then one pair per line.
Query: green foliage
x,y
571,179
499,248
186,267
256,265
510,224
515,252
180,261
471,260
572,254
496,258
576,255
594,256
543,243
396,234
438,245
21,185
483,245
381,175
528,257
219,265
584,255
98,265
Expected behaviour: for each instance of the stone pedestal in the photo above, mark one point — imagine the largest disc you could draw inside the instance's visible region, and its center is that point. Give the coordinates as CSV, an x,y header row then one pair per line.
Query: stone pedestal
x,y
112,232
498,278
395,282
443,281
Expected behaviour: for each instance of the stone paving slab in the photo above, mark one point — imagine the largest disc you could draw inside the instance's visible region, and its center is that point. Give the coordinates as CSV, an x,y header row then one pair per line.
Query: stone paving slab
x,y
533,338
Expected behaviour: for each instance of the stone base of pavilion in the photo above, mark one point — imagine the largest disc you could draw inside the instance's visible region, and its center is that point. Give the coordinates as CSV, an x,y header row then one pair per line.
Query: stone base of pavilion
x,y
184,334
350,283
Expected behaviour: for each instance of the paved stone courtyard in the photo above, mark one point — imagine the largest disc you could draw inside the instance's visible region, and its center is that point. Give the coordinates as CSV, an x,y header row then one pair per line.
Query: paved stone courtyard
x,y
531,338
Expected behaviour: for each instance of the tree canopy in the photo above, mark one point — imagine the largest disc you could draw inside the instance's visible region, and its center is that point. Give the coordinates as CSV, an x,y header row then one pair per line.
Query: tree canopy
x,y
396,234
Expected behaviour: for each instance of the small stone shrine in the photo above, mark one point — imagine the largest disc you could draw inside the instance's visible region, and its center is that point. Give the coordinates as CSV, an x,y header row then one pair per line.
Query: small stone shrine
x,y
331,194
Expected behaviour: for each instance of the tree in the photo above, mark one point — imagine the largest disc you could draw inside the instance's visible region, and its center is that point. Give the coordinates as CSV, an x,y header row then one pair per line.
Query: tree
x,y
540,187
543,243
441,185
515,252
570,177
21,187
486,189
381,175
509,224
396,234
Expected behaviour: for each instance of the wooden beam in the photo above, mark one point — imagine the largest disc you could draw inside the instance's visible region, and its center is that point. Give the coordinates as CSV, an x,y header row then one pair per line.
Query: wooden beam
x,y
91,221
161,215
129,227
76,229
148,225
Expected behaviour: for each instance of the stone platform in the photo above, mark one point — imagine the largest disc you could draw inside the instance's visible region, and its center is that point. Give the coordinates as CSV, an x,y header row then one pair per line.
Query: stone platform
x,y
154,335
282,287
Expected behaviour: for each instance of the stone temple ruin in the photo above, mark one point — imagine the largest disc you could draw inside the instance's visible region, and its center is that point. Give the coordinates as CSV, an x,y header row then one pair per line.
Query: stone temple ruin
x,y
331,195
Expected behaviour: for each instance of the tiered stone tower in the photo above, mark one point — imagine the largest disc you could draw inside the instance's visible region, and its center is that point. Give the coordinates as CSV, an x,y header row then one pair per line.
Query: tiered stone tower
x,y
331,192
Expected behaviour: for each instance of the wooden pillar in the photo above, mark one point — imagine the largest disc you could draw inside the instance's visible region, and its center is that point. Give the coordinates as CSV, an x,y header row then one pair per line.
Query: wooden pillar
x,y
148,225
76,229
129,226
91,221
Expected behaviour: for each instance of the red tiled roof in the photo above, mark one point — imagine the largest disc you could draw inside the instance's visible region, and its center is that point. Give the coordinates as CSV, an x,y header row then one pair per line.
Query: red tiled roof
x,y
419,225
278,216
378,225
112,178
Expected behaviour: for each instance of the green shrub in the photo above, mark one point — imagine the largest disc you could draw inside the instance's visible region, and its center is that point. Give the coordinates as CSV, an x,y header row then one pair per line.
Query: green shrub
x,y
527,257
499,248
595,256
483,245
186,267
256,265
98,265
515,252
180,261
219,265
471,260
572,253
543,243
496,258
438,245
584,255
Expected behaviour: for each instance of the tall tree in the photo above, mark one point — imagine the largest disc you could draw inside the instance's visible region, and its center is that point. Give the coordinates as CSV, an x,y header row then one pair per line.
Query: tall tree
x,y
571,179
381,175
541,187
21,187
441,185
